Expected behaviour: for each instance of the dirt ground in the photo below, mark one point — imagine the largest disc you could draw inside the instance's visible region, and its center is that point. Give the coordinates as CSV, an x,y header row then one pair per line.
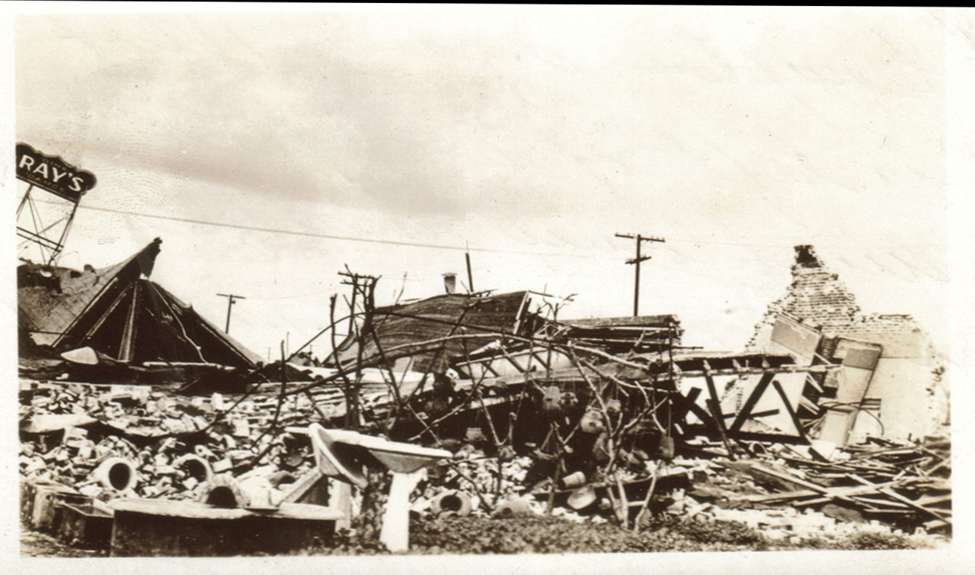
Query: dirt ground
x,y
537,534
36,544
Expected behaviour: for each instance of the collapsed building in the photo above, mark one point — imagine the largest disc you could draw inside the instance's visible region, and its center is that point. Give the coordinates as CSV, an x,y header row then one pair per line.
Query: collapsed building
x,y
601,416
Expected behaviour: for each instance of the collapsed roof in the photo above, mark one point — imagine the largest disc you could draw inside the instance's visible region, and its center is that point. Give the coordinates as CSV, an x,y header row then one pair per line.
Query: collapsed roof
x,y
119,313
416,330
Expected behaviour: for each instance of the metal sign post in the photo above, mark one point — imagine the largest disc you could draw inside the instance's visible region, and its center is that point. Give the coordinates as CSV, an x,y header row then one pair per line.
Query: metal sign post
x,y
65,181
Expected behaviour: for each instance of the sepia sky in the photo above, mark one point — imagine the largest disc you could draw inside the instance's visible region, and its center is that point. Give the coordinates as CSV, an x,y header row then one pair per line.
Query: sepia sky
x,y
531,135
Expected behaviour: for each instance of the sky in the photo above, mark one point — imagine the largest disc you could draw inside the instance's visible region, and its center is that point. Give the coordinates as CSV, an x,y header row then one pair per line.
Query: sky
x,y
530,136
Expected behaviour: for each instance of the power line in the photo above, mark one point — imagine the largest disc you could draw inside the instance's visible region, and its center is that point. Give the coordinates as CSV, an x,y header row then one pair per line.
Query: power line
x,y
789,242
687,240
327,236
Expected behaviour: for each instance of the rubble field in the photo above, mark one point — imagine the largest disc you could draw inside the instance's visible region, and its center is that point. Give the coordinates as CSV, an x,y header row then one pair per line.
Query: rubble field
x,y
878,495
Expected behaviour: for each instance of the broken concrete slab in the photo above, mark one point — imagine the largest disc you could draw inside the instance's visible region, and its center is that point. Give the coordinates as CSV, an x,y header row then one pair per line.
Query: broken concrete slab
x,y
47,423
146,527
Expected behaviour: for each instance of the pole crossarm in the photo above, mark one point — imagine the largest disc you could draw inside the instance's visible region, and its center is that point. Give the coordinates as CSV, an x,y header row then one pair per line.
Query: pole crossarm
x,y
636,261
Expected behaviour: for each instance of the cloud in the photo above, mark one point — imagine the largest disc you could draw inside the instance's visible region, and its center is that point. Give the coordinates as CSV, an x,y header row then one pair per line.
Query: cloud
x,y
525,129
439,113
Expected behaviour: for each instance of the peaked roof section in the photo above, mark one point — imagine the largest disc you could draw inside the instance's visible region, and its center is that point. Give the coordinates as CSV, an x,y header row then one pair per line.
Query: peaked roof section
x,y
122,315
50,299
209,342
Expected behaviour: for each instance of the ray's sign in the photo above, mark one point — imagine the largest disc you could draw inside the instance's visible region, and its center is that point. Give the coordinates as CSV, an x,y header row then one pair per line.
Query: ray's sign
x,y
53,174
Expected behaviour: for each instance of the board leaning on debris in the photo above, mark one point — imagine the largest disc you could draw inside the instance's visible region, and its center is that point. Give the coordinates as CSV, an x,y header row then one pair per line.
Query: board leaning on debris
x,y
146,431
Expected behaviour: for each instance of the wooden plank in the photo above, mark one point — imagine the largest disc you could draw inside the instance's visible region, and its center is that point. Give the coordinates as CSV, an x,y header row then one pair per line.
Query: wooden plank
x,y
101,320
881,502
813,463
511,360
702,414
762,370
788,408
768,438
537,357
902,499
750,403
934,499
129,331
714,405
681,404
802,482
754,415
782,497
850,491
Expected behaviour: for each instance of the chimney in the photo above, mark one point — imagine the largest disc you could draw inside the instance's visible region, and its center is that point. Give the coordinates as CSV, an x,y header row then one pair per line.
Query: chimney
x,y
806,257
450,282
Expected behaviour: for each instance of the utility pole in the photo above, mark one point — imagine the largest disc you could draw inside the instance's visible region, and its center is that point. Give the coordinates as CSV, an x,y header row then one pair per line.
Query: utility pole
x,y
636,261
230,303
470,277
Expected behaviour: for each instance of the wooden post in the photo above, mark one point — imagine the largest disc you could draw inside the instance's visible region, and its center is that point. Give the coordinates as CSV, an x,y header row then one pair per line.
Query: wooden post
x,y
714,405
470,276
750,403
636,283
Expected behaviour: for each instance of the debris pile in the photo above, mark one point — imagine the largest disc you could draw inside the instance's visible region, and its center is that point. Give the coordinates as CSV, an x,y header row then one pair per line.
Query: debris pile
x,y
788,492
903,486
162,445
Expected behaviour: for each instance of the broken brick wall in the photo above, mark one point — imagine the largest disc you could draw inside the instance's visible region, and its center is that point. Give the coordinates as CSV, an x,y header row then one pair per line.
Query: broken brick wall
x,y
909,379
